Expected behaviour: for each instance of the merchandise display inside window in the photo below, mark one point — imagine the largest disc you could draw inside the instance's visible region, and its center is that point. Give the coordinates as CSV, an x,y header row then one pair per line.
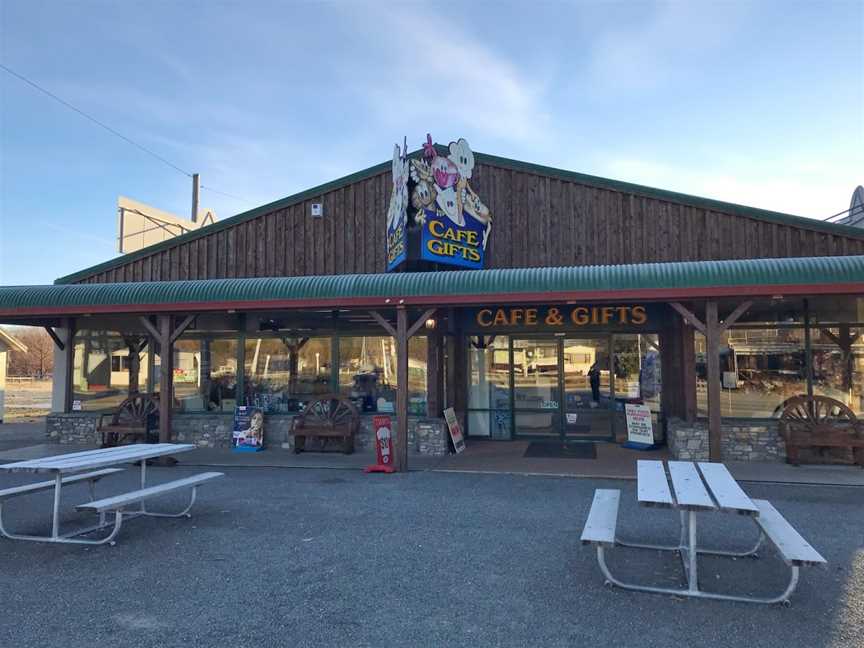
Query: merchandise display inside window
x,y
205,374
103,363
760,369
367,373
489,387
284,373
838,364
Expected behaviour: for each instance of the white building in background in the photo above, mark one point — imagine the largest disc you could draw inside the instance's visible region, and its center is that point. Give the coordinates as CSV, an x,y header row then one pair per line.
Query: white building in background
x,y
140,225
7,343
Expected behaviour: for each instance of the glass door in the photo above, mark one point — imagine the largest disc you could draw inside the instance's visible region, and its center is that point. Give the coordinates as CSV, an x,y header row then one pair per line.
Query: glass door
x,y
589,388
536,366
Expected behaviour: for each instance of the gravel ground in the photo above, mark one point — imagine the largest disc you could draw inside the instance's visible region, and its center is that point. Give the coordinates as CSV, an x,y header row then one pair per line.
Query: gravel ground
x,y
278,557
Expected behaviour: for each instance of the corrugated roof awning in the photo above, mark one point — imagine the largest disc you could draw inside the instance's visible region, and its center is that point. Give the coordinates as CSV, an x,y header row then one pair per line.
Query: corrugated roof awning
x,y
654,281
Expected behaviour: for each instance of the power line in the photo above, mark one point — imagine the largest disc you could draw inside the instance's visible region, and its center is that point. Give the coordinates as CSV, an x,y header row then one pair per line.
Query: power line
x,y
113,131
94,120
226,194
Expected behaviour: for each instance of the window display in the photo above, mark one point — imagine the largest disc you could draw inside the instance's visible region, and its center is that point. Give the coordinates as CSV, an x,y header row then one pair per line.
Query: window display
x,y
284,373
101,369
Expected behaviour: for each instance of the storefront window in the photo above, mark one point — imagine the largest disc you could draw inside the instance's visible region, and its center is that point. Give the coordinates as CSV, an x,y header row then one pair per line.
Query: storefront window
x,y
638,374
205,374
838,364
103,364
489,388
282,374
367,373
760,370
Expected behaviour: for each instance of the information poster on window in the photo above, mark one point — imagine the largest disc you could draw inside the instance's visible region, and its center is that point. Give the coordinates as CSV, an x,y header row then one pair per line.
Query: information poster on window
x,y
640,431
455,429
248,434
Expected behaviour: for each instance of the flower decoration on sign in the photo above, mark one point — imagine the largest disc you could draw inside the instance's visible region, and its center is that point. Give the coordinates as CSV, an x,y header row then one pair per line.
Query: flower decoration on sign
x,y
441,188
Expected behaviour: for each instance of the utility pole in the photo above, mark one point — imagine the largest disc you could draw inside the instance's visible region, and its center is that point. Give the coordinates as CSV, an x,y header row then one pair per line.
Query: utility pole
x,y
194,197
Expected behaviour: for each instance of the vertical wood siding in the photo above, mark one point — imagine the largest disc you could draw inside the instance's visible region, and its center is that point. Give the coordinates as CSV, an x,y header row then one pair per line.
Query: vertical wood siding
x,y
538,221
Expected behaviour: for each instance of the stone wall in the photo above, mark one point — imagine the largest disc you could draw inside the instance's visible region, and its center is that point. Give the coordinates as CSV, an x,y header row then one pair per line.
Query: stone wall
x,y
426,436
741,440
76,427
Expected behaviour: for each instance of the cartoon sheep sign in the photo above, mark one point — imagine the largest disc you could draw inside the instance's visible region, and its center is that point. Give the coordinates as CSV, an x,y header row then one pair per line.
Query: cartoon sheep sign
x,y
397,223
454,223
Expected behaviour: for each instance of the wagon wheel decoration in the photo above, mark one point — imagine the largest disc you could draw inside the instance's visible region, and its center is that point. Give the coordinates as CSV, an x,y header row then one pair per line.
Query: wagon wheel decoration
x,y
330,411
814,412
136,408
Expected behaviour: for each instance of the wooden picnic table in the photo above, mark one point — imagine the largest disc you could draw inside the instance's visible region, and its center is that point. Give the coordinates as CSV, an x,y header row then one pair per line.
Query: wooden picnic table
x,y
694,488
90,466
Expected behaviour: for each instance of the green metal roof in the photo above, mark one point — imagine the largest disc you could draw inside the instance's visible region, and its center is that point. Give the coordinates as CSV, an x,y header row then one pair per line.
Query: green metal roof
x,y
492,160
681,280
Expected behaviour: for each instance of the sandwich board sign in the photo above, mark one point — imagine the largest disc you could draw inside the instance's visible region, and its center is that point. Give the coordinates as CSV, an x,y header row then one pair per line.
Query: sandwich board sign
x,y
455,430
640,432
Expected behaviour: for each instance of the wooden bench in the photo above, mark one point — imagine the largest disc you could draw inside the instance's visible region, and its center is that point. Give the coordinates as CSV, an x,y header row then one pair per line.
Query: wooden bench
x,y
118,503
130,421
327,417
820,422
90,478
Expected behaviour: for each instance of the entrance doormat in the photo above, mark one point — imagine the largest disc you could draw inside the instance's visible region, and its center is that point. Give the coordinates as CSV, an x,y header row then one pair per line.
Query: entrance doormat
x,y
547,450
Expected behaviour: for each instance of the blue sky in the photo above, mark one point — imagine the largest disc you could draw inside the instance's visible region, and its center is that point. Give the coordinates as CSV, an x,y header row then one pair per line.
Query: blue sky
x,y
755,103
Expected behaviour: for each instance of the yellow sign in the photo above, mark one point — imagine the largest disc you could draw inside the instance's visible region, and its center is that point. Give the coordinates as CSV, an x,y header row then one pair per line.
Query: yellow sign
x,y
555,316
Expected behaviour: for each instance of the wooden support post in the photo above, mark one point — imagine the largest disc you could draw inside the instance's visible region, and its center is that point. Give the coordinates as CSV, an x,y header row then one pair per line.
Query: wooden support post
x,y
402,332
166,378
712,363
401,389
712,329
70,365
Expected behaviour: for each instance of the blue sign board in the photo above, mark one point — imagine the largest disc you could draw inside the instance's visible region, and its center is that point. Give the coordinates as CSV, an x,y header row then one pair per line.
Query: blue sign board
x,y
444,241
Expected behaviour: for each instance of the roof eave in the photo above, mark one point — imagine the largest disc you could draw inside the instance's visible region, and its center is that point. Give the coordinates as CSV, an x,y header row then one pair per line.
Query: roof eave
x,y
594,295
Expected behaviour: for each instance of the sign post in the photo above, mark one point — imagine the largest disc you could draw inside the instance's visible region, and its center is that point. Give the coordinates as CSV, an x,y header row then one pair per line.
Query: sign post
x,y
383,427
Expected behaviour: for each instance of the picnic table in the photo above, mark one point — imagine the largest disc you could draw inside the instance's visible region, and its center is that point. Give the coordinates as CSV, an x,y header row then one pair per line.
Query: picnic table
x,y
696,488
91,466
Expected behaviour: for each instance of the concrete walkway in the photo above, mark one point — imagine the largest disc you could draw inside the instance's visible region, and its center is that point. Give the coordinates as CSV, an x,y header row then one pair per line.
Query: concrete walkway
x,y
612,462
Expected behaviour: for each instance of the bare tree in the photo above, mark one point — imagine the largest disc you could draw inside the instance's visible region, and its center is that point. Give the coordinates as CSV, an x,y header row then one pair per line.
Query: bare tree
x,y
38,360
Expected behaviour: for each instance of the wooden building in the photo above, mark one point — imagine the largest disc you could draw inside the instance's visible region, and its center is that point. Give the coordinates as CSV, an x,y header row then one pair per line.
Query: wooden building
x,y
594,294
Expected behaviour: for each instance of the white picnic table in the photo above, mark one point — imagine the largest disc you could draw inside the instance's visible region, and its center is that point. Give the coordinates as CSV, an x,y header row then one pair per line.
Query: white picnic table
x,y
89,466
692,489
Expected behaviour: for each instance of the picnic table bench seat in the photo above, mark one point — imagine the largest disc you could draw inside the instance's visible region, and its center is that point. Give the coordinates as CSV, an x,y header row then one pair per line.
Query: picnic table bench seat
x,y
26,489
793,548
118,503
602,518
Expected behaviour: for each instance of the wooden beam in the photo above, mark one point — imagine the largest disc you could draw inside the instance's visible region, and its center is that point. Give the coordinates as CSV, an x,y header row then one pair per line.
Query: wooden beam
x,y
387,326
166,378
57,341
712,362
742,308
150,328
180,329
420,322
401,390
68,394
689,317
